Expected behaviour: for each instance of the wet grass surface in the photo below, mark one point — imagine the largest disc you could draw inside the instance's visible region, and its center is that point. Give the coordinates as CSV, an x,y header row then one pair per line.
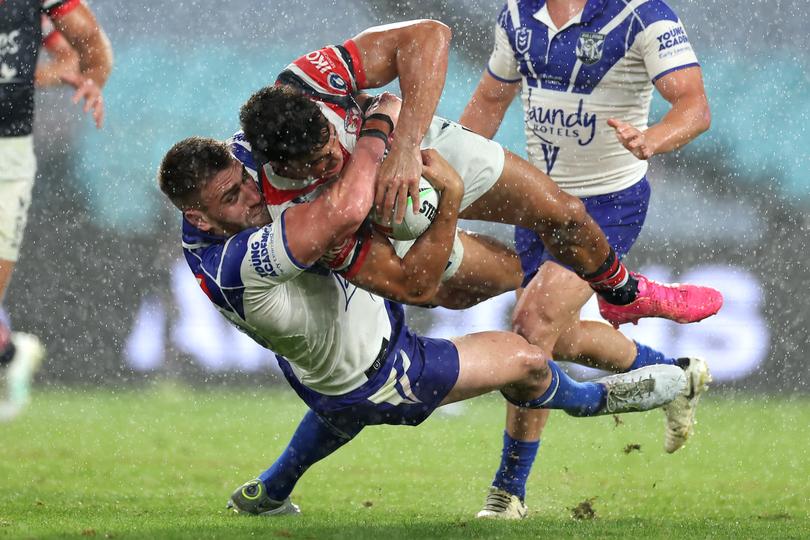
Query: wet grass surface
x,y
161,462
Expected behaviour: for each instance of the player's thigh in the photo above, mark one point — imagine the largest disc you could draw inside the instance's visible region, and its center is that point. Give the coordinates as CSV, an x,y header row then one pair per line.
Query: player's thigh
x,y
488,268
478,160
550,304
525,196
492,360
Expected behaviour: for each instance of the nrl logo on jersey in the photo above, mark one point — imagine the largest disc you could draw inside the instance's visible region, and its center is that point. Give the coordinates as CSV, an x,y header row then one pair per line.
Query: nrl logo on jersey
x,y
589,47
523,40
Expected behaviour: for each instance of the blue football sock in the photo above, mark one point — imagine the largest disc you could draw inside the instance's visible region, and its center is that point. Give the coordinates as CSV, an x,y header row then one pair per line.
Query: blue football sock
x,y
575,398
646,356
312,441
517,458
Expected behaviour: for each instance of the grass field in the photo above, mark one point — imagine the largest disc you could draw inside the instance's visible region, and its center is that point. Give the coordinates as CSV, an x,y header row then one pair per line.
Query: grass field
x,y
161,462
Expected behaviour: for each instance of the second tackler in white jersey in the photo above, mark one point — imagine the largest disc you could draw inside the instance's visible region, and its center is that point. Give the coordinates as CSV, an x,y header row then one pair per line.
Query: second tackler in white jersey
x,y
602,64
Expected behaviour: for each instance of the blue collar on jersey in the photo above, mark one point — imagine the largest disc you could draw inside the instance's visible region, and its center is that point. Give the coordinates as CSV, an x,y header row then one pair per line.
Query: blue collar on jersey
x,y
198,238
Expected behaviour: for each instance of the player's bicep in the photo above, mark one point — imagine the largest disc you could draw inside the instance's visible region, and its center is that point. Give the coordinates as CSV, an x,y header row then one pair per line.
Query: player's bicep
x,y
681,84
307,235
378,47
77,26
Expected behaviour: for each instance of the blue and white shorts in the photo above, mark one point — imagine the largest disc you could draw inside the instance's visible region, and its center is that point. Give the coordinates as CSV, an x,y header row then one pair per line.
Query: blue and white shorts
x,y
404,388
620,215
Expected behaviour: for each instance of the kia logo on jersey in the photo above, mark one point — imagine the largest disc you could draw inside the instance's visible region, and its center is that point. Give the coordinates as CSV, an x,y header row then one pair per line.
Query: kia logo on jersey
x,y
523,40
589,47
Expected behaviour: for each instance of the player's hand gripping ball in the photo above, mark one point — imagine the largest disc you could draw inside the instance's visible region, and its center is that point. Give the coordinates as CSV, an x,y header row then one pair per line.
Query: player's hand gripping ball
x,y
414,224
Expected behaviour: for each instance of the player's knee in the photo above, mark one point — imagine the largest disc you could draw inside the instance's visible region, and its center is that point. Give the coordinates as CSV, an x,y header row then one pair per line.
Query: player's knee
x,y
537,323
568,216
574,212
536,370
531,363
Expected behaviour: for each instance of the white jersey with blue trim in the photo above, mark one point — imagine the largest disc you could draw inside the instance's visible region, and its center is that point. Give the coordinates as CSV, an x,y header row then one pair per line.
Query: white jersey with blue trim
x,y
329,330
602,64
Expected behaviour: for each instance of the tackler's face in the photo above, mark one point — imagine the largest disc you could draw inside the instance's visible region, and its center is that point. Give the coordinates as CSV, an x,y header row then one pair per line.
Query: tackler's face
x,y
326,162
231,202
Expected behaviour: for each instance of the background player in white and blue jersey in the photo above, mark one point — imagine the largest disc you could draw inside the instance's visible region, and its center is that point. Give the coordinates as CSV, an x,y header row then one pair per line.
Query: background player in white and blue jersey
x,y
21,37
586,72
345,351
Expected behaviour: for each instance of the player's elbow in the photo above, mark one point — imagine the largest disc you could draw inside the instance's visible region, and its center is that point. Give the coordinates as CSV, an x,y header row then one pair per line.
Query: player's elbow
x,y
419,294
705,118
347,219
420,286
437,30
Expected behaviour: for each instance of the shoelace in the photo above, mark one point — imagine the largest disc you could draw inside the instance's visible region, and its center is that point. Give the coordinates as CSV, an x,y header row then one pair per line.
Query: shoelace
x,y
624,392
497,501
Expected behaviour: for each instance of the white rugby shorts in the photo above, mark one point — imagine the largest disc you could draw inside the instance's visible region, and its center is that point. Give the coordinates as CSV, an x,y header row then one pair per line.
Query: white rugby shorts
x,y
477,159
16,182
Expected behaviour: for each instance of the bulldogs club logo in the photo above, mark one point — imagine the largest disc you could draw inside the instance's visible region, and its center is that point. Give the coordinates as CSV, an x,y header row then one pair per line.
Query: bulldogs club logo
x,y
590,47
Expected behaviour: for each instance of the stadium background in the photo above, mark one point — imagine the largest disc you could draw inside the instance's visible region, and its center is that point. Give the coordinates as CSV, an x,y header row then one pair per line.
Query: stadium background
x,y
100,277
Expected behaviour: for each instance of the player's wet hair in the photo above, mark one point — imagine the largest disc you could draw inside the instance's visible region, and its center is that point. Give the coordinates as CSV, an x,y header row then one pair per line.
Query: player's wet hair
x,y
188,166
282,124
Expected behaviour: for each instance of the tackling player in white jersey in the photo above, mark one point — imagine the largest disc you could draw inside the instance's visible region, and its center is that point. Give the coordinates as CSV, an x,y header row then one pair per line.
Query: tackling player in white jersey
x,y
347,352
586,72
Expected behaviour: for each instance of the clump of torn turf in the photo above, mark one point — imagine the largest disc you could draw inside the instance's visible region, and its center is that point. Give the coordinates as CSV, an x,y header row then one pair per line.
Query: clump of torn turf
x,y
632,447
584,510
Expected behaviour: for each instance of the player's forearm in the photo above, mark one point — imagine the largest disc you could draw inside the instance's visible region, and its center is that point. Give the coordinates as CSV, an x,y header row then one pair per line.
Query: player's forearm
x,y
422,67
487,106
96,58
81,30
349,200
424,264
688,118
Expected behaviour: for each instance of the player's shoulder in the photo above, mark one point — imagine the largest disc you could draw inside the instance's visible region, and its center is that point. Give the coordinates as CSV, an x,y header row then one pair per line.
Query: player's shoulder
x,y
653,11
515,11
217,258
326,72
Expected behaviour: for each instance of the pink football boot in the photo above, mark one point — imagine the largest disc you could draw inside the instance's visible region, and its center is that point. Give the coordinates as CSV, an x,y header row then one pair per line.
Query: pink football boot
x,y
679,302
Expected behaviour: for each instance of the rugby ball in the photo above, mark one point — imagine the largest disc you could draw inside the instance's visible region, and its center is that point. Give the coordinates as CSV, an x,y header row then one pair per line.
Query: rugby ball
x,y
412,225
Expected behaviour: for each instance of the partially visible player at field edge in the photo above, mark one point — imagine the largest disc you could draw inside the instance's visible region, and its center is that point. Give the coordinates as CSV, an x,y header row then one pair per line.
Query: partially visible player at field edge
x,y
346,352
587,71
21,29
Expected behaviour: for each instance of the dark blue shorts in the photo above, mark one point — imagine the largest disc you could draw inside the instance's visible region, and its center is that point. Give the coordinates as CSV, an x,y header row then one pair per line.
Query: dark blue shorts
x,y
416,375
621,216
